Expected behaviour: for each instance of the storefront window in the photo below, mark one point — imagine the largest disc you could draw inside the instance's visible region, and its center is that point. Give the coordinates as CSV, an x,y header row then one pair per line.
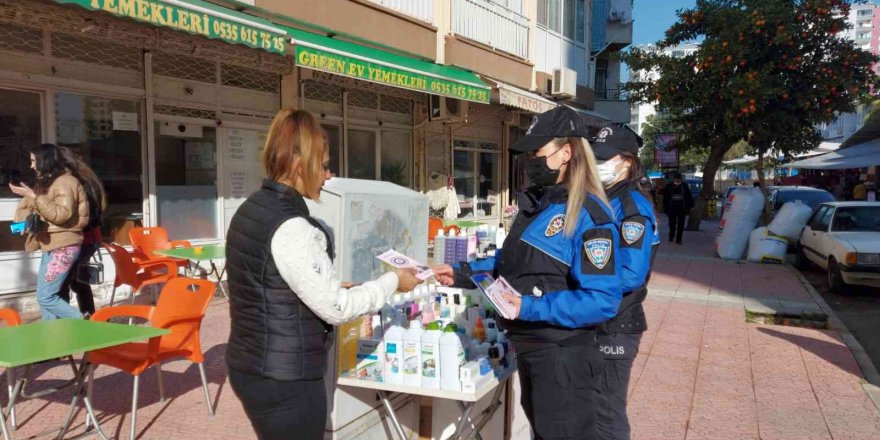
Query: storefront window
x,y
397,157
186,180
475,166
20,130
335,145
106,134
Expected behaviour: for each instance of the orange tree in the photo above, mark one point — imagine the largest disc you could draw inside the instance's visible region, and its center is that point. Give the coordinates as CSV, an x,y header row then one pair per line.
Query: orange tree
x,y
767,71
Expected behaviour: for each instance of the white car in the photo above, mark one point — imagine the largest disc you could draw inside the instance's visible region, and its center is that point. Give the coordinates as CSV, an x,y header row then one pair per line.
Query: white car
x,y
844,239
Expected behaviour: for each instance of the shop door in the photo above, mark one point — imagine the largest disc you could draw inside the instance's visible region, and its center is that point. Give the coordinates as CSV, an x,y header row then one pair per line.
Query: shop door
x,y
186,180
21,129
362,156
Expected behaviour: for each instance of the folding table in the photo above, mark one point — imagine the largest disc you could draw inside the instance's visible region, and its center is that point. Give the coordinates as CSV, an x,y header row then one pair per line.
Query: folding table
x,y
27,344
466,401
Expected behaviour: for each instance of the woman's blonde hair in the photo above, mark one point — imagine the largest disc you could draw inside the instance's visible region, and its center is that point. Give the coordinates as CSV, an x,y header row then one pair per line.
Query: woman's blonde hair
x,y
582,178
296,138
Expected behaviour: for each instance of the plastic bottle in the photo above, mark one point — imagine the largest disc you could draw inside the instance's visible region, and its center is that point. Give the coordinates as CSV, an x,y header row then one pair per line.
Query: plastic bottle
x,y
412,352
451,247
479,330
427,314
451,358
491,330
440,247
377,328
394,354
500,235
461,248
430,357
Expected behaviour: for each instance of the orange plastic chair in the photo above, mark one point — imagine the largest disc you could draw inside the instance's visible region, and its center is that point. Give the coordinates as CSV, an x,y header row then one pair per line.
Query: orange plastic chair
x,y
12,318
137,274
181,308
434,226
148,240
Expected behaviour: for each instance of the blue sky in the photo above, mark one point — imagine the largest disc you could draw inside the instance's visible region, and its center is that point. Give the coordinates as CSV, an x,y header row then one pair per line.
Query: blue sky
x,y
652,18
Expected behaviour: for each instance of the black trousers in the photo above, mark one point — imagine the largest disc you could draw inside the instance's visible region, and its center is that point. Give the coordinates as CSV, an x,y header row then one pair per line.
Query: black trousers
x,y
84,297
282,410
620,352
676,224
560,388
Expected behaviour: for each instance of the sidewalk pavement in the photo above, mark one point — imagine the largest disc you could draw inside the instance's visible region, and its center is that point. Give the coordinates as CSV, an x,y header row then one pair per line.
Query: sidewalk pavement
x,y
703,371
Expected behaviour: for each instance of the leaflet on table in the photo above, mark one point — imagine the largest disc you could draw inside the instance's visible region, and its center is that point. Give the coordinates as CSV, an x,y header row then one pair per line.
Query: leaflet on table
x,y
492,290
401,261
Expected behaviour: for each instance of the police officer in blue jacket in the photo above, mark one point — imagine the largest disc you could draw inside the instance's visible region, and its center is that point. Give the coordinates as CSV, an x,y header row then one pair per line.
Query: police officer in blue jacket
x,y
562,255
616,148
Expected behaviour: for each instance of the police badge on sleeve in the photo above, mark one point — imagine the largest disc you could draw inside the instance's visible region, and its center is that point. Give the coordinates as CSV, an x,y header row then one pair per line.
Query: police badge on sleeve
x,y
555,225
632,231
598,251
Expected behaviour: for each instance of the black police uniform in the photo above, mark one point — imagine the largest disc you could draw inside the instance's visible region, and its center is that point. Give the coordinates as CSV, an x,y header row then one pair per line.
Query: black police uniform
x,y
569,286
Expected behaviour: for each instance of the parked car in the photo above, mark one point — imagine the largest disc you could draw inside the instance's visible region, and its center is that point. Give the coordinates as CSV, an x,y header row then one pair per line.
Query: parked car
x,y
844,239
812,197
696,186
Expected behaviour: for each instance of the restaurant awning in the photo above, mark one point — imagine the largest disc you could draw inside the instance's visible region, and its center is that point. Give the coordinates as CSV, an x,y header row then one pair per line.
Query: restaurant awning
x,y
824,147
858,156
196,17
507,94
369,64
594,119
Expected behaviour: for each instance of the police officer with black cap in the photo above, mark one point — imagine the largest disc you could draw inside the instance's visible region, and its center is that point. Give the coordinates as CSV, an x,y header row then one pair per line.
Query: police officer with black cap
x,y
616,148
562,255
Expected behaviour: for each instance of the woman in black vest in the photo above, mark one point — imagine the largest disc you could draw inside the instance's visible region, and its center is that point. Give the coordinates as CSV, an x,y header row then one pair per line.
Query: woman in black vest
x,y
284,294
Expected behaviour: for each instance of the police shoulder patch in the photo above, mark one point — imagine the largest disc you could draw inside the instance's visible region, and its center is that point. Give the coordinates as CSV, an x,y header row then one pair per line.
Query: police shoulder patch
x,y
632,231
598,251
555,225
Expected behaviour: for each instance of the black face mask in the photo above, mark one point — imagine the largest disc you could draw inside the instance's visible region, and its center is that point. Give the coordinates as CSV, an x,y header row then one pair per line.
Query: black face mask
x,y
539,173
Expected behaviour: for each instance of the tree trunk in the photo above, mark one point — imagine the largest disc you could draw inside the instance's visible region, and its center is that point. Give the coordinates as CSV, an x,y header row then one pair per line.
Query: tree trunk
x,y
716,156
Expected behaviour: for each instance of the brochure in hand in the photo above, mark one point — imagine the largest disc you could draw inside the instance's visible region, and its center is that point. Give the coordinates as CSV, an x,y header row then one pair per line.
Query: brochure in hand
x,y
401,261
492,290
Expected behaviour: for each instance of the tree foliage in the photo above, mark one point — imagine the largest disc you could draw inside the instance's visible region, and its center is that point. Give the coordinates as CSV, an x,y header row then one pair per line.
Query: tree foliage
x,y
766,70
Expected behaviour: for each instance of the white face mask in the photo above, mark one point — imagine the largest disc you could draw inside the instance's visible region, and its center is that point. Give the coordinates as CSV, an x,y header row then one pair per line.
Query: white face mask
x,y
608,172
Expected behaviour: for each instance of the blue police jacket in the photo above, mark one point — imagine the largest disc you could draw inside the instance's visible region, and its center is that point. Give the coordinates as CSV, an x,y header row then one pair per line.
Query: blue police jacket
x,y
569,284
638,233
639,241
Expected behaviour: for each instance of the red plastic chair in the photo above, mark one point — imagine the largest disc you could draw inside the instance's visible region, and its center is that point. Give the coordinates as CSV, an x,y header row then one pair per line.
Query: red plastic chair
x,y
138,274
148,240
12,318
181,308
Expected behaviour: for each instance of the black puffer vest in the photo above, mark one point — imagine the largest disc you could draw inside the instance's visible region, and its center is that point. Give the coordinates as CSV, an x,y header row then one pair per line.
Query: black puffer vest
x,y
273,333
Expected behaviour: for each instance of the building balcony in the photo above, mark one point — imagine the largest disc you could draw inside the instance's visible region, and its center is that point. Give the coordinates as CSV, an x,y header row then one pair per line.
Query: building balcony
x,y
618,35
492,25
614,103
419,9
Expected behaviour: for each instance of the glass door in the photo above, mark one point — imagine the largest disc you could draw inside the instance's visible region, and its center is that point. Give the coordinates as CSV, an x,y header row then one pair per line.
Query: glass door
x,y
186,180
21,129
362,157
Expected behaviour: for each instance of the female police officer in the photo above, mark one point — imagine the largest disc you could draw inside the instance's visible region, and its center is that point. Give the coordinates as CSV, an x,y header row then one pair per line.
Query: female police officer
x,y
561,255
616,148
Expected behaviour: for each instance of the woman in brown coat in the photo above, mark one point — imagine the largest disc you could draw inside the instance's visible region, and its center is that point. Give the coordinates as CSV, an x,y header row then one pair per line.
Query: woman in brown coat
x,y
59,202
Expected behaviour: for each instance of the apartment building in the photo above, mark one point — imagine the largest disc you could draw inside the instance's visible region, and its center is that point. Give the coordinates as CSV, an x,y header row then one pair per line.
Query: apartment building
x,y
642,111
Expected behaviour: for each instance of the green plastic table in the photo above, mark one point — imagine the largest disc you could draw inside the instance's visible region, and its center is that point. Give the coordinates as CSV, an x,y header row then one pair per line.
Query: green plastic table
x,y
26,344
208,252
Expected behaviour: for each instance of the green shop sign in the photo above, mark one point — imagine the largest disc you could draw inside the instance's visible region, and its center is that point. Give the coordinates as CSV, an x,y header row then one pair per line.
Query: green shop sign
x,y
383,74
196,17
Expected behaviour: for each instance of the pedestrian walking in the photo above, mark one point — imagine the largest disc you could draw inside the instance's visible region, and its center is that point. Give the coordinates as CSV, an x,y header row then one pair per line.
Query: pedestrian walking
x,y
56,211
620,337
562,255
283,291
677,203
860,191
92,238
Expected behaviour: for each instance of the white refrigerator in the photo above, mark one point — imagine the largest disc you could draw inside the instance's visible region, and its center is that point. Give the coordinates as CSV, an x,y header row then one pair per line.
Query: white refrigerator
x,y
364,219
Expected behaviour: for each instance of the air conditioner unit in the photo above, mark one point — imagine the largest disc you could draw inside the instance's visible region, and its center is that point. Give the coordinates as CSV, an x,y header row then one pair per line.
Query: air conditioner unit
x,y
443,108
564,83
